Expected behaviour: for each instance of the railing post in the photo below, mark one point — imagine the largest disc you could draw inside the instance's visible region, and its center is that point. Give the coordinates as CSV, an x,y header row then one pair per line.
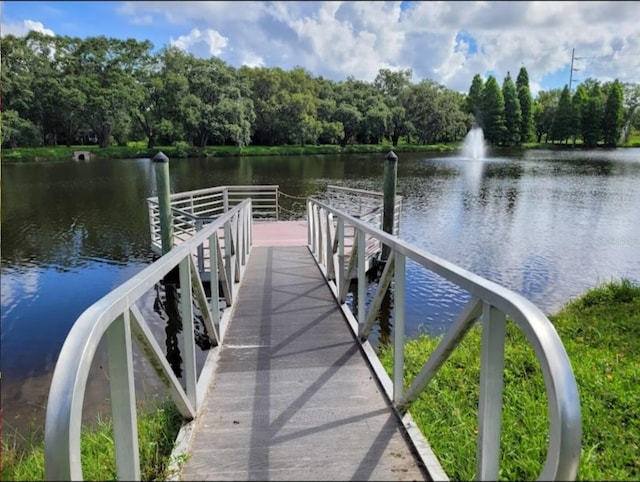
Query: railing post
x,y
390,181
340,268
214,280
398,327
490,402
186,303
199,225
362,280
162,182
123,399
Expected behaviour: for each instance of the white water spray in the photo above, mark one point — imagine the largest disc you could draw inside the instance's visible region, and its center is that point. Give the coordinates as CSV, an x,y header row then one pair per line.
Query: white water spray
x,y
474,147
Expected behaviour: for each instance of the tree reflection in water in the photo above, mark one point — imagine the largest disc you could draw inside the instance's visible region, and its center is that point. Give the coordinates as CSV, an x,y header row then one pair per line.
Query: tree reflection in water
x,y
167,306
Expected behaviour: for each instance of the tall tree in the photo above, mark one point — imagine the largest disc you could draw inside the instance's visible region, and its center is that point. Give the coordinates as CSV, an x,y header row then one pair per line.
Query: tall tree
x,y
592,115
578,104
545,107
512,112
563,122
631,111
393,86
526,105
474,99
493,111
613,117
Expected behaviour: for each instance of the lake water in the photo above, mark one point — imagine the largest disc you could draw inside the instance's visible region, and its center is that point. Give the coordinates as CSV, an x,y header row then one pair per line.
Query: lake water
x,y
546,224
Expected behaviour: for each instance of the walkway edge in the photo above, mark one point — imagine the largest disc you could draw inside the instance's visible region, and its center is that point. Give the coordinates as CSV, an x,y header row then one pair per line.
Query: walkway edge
x,y
183,439
415,435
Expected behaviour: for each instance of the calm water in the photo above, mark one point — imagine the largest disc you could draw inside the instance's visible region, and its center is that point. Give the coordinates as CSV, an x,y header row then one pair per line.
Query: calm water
x,y
545,224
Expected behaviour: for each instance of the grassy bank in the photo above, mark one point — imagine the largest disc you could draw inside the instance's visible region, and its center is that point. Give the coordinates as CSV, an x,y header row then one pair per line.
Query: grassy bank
x,y
136,150
157,432
601,333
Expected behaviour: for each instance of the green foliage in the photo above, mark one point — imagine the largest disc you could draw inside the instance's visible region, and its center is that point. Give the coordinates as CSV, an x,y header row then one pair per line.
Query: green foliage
x,y
512,112
544,112
474,99
17,131
592,115
601,334
493,112
563,121
526,106
613,116
157,431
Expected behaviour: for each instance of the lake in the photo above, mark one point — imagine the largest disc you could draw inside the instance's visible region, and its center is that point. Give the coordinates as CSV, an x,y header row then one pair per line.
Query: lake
x,y
546,224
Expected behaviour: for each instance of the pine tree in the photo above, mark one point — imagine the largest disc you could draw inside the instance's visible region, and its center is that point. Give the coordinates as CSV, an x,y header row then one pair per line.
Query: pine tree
x,y
493,111
474,99
526,105
563,122
579,104
512,112
592,117
613,116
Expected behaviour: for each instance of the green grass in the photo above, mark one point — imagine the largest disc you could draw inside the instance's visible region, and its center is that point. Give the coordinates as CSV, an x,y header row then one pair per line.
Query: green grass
x,y
157,431
601,333
181,150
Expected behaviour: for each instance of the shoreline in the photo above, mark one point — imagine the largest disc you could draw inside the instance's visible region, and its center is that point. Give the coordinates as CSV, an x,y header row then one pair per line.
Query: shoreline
x,y
136,151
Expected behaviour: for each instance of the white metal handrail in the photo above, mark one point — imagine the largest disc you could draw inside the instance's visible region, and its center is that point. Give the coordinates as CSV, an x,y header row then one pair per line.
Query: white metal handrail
x,y
489,301
211,203
117,317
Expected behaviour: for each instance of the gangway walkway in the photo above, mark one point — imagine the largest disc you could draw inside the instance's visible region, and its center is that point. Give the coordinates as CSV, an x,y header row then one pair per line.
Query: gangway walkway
x,y
293,397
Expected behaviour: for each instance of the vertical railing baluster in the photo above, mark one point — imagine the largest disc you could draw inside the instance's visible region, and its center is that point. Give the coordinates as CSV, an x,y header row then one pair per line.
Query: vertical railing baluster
x,y
200,247
491,384
329,246
189,355
398,326
362,287
225,199
214,279
341,267
228,266
123,398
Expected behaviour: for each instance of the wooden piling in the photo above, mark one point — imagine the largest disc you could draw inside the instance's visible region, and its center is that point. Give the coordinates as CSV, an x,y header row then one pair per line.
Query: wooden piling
x,y
161,162
390,182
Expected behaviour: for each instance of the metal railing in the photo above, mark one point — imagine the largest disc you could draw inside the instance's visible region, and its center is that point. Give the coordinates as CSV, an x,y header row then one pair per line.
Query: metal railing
x,y
489,302
208,204
117,318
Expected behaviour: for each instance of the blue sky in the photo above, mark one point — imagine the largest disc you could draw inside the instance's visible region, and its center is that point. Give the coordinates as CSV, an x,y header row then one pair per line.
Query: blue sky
x,y
448,42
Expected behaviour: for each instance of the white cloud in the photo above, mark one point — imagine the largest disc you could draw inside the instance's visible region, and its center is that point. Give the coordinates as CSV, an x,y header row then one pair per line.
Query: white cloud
x,y
201,43
20,29
448,42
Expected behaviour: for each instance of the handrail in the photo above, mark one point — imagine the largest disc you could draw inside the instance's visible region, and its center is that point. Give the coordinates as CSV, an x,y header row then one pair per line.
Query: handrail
x,y
490,302
212,202
117,317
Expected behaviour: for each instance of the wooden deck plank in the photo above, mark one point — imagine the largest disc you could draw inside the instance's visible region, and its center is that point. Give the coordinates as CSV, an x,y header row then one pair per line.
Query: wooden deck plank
x,y
293,397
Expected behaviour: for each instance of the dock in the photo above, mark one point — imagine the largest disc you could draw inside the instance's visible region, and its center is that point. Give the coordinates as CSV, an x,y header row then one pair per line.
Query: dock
x,y
291,387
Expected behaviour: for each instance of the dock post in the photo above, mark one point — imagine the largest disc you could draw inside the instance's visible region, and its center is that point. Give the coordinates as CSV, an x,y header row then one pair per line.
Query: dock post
x,y
161,162
390,182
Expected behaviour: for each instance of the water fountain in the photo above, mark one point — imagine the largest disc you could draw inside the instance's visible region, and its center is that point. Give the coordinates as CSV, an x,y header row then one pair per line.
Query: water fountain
x,y
474,147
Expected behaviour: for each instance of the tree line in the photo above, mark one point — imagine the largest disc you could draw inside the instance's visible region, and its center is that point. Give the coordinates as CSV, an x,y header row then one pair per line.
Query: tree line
x,y
67,90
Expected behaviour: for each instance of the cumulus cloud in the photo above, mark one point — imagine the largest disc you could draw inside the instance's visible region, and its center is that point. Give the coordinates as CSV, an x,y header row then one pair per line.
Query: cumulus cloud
x,y
20,29
205,44
339,39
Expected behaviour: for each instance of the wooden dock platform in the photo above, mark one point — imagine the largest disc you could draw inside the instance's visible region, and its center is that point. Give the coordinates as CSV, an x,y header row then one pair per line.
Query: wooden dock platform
x,y
293,396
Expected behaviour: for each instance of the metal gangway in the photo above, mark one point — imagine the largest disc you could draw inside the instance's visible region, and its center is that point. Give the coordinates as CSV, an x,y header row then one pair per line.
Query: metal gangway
x,y
216,248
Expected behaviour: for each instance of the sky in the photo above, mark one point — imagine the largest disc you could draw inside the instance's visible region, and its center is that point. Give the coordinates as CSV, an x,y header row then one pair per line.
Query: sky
x,y
446,42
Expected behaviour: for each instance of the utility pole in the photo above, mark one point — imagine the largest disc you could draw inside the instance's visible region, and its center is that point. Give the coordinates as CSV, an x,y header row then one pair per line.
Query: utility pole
x,y
573,57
